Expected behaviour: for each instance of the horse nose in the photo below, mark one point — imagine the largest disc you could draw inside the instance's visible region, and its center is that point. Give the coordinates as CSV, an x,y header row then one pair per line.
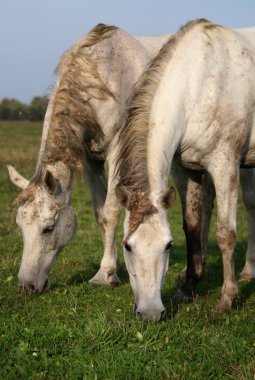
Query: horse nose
x,y
27,284
151,315
33,285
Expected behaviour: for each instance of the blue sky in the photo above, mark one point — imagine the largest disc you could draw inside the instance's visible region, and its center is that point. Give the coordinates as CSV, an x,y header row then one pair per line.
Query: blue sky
x,y
35,33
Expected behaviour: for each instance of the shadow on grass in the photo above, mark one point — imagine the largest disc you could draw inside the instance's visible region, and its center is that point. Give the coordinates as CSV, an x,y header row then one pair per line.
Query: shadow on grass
x,y
212,280
85,275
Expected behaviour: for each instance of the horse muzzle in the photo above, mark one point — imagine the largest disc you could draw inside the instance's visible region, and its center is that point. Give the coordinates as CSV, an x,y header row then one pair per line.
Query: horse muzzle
x,y
30,286
150,313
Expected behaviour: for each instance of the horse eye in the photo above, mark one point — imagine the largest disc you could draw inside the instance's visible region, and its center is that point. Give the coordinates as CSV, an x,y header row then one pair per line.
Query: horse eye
x,y
127,247
169,245
48,229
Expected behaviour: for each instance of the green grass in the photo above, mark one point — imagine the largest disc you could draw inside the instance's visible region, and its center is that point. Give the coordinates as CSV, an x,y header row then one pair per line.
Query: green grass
x,y
75,331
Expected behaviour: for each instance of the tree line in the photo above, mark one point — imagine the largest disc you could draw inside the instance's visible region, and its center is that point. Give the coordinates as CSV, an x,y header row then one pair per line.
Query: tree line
x,y
12,109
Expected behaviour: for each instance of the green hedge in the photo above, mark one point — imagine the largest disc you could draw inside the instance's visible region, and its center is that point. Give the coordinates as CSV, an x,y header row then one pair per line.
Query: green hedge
x,y
12,109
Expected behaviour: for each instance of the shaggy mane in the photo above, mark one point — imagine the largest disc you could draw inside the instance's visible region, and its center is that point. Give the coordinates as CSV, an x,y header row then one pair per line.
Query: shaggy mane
x,y
73,122
74,128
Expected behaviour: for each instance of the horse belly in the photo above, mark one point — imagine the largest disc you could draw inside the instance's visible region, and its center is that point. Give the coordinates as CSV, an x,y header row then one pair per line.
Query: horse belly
x,y
190,159
248,158
248,152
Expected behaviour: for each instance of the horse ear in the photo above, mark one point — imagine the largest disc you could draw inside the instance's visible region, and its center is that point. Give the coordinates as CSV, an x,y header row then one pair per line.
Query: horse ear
x,y
17,178
168,198
51,184
57,178
123,195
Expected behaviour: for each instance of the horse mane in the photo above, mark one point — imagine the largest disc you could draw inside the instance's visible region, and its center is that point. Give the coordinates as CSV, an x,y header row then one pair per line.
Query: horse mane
x,y
74,121
74,126
131,162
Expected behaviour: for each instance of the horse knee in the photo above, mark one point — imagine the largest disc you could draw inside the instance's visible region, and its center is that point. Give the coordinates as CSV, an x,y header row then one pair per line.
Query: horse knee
x,y
110,216
192,229
226,238
199,267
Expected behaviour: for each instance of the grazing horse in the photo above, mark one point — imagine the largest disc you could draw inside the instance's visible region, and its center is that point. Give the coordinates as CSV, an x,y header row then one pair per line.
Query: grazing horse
x,y
94,79
194,105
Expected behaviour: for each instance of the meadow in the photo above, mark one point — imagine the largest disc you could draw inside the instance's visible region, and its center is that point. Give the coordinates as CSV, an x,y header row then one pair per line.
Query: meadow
x,y
74,331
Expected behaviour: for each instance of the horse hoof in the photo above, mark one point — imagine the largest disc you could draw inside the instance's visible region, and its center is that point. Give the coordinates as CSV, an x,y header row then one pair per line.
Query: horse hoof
x,y
224,306
246,277
103,279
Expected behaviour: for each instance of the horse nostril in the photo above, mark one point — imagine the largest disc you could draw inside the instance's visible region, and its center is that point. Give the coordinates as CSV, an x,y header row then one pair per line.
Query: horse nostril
x,y
139,315
28,287
31,287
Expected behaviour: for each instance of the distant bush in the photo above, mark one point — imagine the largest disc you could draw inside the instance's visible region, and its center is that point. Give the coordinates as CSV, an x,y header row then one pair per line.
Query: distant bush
x,y
12,109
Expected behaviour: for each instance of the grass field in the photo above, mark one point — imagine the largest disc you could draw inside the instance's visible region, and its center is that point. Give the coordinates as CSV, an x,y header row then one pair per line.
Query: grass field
x,y
74,331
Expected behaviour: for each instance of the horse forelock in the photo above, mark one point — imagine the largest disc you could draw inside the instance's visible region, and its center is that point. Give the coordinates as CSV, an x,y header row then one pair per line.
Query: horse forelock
x,y
73,119
139,206
28,194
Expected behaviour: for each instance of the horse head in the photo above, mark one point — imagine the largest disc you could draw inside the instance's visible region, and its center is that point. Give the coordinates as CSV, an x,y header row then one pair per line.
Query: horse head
x,y
146,248
46,220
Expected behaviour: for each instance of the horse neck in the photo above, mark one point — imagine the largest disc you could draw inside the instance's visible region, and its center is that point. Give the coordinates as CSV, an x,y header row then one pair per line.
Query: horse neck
x,y
170,108
166,129
128,57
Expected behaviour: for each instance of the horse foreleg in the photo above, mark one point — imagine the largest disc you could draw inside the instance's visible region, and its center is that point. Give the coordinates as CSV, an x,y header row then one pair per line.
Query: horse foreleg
x,y
247,177
189,186
226,186
107,221
107,214
208,195
107,274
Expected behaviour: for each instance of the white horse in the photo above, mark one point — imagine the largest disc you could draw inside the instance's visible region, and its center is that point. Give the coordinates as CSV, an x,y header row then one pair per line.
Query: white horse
x,y
195,105
94,79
